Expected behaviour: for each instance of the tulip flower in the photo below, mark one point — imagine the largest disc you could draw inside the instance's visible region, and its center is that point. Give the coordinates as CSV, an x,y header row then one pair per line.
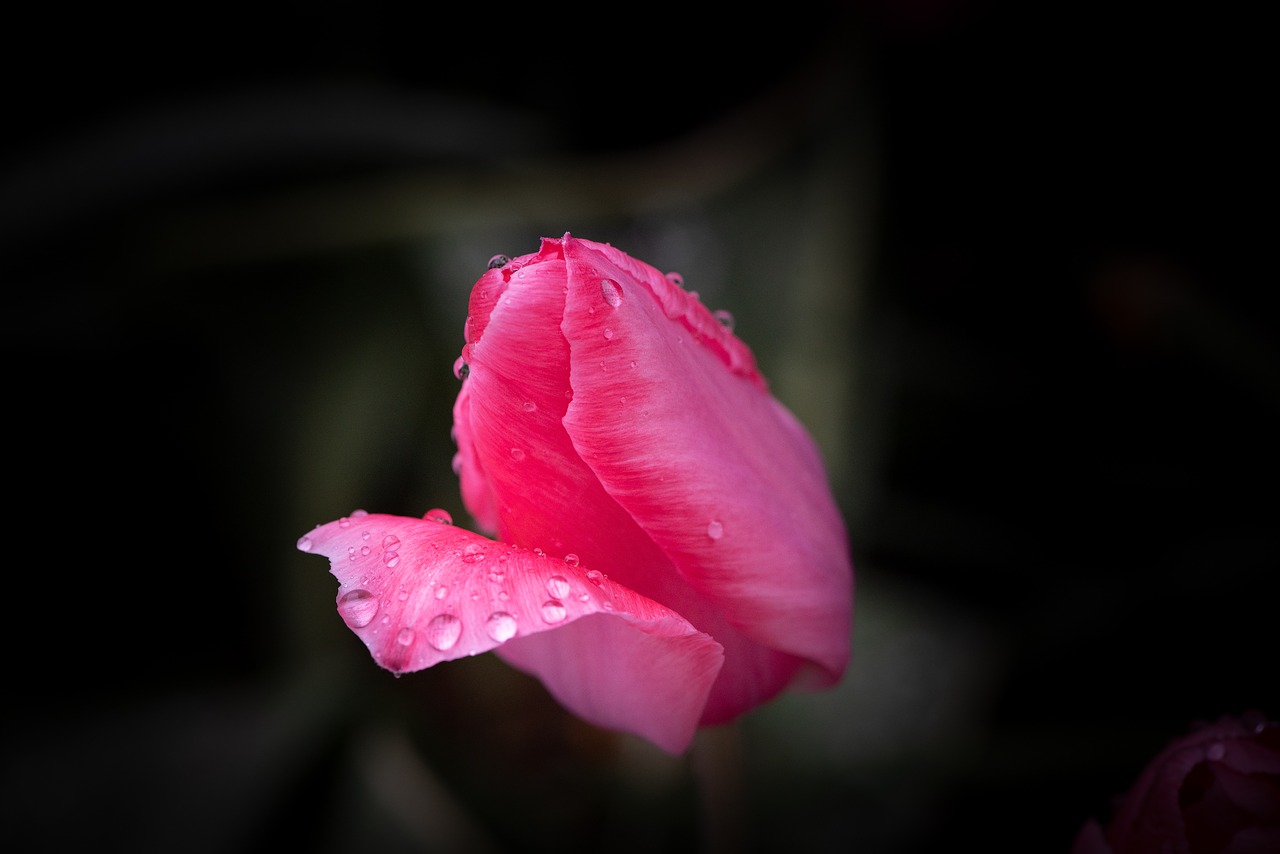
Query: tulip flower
x,y
659,543
1216,789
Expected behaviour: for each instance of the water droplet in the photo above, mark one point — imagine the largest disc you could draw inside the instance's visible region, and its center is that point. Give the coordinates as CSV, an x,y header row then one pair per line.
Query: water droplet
x,y
715,529
456,463
611,291
553,611
443,631
558,586
357,608
676,279
583,597
403,595
725,318
356,514
595,576
390,541
608,333
517,454
633,363
364,550
391,559
351,552
498,261
405,636
460,368
442,591
304,544
435,514
344,522
529,406
501,626
571,559
473,553
1216,751
364,535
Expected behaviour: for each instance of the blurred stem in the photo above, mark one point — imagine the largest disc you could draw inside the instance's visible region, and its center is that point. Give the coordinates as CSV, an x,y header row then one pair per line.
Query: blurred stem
x,y
718,768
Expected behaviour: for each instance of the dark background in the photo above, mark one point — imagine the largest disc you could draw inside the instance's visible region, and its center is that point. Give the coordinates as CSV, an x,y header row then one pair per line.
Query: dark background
x,y
1008,264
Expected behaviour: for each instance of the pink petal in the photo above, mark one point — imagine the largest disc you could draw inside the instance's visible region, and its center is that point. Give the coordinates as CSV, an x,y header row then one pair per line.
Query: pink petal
x,y
675,423
510,421
419,592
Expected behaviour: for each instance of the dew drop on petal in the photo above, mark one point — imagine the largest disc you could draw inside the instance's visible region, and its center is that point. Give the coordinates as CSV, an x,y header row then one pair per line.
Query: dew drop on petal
x,y
405,636
443,631
358,608
676,279
608,333
725,318
435,514
595,576
611,291
529,406
391,559
539,552
456,463
558,586
403,595
344,522
364,550
571,559
715,529
501,626
356,514
390,541
460,368
473,553
304,544
517,454
498,261
442,591
553,611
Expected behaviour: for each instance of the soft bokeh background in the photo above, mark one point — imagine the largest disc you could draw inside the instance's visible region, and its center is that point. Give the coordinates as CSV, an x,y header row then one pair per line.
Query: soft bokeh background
x,y
1008,264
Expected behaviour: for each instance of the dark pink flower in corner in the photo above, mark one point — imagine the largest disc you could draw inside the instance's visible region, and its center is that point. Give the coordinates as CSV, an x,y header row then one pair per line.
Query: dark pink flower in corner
x,y
1213,791
668,553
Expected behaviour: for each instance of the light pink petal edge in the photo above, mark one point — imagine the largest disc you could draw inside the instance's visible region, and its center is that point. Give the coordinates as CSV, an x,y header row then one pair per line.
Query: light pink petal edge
x,y
418,592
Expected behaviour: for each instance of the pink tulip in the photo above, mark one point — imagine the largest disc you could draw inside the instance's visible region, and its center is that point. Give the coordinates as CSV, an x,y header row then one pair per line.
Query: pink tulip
x,y
670,554
1214,790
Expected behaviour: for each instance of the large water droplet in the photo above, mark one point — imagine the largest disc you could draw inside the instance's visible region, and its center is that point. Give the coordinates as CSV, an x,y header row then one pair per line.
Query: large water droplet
x,y
553,611
405,636
304,544
391,559
356,514
501,626
558,586
344,522
611,291
498,261
358,608
473,553
571,559
390,541
460,368
715,529
443,631
435,514
595,576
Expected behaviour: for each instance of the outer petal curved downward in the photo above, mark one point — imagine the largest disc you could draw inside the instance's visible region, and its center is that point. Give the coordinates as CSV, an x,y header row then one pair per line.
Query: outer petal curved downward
x,y
418,592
